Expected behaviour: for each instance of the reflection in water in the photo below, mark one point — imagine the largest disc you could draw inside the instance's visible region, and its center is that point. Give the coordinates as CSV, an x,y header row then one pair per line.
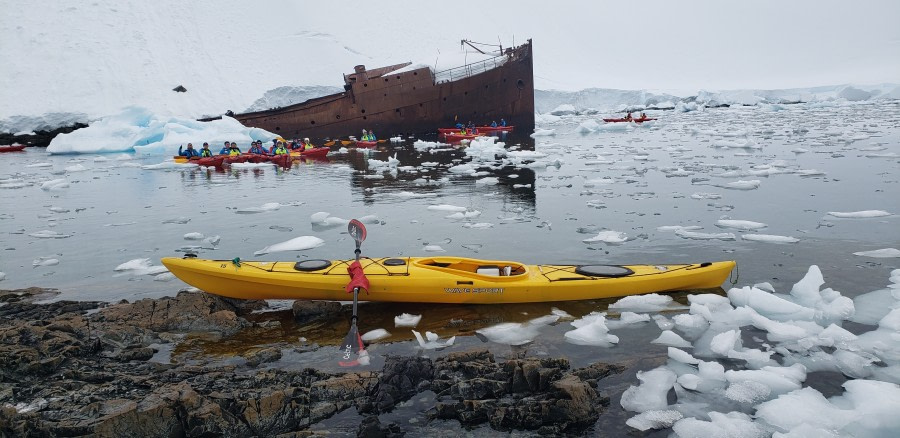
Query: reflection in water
x,y
443,319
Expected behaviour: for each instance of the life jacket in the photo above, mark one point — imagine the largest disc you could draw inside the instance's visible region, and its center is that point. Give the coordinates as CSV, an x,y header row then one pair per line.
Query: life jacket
x,y
233,152
307,146
205,153
280,150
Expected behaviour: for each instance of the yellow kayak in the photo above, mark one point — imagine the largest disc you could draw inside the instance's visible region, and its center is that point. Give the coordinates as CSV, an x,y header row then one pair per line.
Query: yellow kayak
x,y
442,279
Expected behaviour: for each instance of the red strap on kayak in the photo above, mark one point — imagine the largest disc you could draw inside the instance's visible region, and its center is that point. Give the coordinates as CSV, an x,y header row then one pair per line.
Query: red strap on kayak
x,y
357,278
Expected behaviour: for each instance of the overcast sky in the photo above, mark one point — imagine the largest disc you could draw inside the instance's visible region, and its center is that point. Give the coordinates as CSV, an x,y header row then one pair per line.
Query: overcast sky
x,y
647,44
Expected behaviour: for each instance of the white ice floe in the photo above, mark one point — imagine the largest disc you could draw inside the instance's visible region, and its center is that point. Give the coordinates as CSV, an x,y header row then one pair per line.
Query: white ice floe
x,y
608,236
55,184
301,243
44,261
880,253
588,126
514,333
704,236
672,339
646,303
432,341
2,276
591,330
769,238
540,132
447,207
463,214
141,266
478,225
49,234
679,227
739,224
654,419
269,206
743,185
407,320
165,165
375,335
433,248
194,236
859,214
652,393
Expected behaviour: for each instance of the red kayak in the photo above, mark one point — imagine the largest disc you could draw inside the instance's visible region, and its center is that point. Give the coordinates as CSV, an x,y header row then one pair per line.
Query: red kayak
x,y
236,159
453,138
12,148
311,153
366,144
283,160
495,128
646,119
214,161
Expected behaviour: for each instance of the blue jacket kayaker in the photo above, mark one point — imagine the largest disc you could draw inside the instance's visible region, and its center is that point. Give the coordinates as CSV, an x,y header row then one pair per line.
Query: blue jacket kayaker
x,y
257,148
494,124
372,136
460,126
190,152
205,152
224,150
502,122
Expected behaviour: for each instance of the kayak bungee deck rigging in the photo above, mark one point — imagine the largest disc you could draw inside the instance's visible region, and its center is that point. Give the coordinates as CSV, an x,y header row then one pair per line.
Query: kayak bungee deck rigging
x,y
442,279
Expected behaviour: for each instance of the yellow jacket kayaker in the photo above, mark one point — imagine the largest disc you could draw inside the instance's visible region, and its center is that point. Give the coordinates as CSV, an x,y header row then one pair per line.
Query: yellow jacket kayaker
x,y
233,150
306,144
279,149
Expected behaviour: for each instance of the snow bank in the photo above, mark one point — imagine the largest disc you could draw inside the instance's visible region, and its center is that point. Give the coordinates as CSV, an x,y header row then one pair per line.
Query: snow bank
x,y
137,129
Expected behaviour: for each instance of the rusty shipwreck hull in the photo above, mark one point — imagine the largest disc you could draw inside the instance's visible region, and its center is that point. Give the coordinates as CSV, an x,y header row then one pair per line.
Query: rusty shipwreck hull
x,y
413,101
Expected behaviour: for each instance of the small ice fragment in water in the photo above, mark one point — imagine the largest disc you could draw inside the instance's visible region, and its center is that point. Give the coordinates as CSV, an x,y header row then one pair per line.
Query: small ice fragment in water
x,y
44,261
48,234
704,236
269,206
880,253
447,207
374,335
301,243
177,220
194,236
513,333
644,303
859,214
433,248
654,419
433,341
740,224
608,236
769,238
672,339
407,320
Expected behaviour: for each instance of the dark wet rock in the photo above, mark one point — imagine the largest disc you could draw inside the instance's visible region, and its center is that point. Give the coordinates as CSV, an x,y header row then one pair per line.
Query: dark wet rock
x,y
311,310
265,355
188,311
371,427
401,378
332,395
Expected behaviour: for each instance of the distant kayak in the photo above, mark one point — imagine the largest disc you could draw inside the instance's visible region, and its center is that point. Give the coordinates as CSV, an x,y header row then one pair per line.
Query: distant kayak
x,y
12,148
318,152
646,119
442,279
495,128
454,138
366,144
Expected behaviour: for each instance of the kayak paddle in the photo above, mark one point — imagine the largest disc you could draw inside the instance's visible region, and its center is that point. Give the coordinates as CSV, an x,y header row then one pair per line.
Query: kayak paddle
x,y
353,343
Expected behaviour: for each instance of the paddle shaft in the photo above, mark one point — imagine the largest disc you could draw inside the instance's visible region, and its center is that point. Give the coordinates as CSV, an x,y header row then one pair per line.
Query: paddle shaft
x,y
355,292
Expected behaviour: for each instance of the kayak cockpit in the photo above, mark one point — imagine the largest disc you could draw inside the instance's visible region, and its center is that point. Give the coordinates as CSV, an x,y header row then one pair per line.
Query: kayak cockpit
x,y
487,268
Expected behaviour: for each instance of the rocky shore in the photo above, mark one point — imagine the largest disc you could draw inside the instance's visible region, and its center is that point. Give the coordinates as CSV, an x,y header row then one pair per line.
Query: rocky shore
x,y
92,368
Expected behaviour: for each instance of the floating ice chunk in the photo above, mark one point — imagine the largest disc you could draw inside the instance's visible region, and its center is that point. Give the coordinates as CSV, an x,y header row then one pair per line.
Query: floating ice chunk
x,y
49,234
859,214
75,168
652,393
730,425
407,320
725,342
748,391
513,333
803,406
769,238
375,335
463,214
2,276
177,220
447,207
44,261
141,266
564,109
59,209
55,184
740,224
873,306
662,322
599,182
704,236
806,291
479,225
672,339
540,132
41,164
487,181
704,195
682,356
627,319
654,419
743,185
562,314
168,165
269,206
608,236
301,243
780,380
645,303
194,236
588,126
165,276
432,342
433,248
591,330
769,305
880,253
679,227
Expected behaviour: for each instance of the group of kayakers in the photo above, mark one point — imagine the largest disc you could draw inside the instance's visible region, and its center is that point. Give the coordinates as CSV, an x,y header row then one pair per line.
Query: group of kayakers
x,y
471,129
368,136
279,147
629,117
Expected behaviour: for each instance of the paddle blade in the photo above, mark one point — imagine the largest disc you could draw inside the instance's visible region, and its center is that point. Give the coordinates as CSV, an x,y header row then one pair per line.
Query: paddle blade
x,y
329,143
346,142
352,348
358,231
